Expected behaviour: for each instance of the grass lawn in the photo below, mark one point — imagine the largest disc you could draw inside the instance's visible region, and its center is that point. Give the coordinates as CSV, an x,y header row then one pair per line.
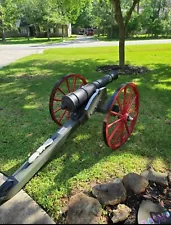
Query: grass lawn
x,y
23,40
84,159
134,37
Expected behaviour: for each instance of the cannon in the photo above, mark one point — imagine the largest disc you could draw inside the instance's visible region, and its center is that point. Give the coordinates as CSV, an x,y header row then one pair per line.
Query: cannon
x,y
72,102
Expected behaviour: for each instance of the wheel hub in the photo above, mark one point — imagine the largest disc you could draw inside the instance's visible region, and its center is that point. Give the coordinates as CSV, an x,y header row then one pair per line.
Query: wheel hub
x,y
125,117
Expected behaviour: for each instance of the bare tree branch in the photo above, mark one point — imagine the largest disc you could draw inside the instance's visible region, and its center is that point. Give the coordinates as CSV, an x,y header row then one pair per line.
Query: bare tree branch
x,y
118,13
129,13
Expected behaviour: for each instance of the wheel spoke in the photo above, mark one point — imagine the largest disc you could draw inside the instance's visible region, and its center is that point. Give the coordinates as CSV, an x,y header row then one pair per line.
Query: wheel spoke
x,y
74,85
119,103
68,86
124,101
131,111
116,121
127,128
122,134
115,113
62,116
57,100
131,104
112,134
129,97
57,110
81,84
61,91
118,133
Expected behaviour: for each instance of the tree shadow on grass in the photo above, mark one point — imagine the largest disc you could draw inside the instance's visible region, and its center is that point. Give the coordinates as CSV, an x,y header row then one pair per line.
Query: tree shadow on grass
x,y
26,124
35,84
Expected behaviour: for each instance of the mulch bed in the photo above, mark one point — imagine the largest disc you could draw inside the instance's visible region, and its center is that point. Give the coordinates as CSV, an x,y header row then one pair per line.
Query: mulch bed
x,y
128,69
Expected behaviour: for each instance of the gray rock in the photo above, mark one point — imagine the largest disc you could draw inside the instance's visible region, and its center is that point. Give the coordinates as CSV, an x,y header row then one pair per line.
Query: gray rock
x,y
83,209
135,182
121,213
160,178
110,193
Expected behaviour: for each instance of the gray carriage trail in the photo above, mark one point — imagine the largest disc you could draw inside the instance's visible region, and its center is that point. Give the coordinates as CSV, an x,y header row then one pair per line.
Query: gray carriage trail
x,y
21,209
11,53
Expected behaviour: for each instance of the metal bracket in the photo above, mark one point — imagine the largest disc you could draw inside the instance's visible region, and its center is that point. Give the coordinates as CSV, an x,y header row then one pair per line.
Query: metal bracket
x,y
98,98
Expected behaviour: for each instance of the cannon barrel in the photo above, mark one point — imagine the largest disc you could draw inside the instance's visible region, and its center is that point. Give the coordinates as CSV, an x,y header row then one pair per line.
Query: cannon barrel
x,y
74,100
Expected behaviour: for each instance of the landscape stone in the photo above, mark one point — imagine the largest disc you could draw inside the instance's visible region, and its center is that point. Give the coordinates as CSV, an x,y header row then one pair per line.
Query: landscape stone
x,y
160,178
135,182
83,209
121,213
110,193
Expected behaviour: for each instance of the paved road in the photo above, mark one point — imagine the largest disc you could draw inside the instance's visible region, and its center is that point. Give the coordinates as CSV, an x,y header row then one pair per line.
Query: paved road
x,y
10,53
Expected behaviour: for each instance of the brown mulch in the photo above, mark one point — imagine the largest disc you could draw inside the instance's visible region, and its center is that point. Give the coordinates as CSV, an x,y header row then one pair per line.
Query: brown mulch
x,y
128,69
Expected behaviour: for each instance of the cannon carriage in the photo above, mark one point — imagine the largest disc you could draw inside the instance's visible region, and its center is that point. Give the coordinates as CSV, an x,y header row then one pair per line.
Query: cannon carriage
x,y
72,102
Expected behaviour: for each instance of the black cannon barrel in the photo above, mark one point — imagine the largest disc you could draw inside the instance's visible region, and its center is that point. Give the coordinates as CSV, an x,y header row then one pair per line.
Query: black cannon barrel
x,y
74,100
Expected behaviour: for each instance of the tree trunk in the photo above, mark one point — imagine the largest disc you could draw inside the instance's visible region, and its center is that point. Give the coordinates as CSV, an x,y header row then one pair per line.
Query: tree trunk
x,y
28,34
122,27
62,31
98,31
48,34
3,35
120,22
138,8
2,28
121,48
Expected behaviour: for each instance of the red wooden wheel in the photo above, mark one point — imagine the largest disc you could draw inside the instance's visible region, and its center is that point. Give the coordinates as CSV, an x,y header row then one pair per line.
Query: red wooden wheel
x,y
66,85
121,119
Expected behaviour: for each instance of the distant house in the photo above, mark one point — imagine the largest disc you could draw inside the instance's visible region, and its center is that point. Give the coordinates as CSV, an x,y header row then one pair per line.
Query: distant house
x,y
61,30
24,29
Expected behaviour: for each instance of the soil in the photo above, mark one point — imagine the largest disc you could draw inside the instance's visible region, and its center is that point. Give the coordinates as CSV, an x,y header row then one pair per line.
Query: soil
x,y
154,192
127,70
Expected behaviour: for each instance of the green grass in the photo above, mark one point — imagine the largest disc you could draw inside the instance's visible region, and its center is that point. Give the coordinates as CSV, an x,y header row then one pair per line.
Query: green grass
x,y
134,37
24,40
84,159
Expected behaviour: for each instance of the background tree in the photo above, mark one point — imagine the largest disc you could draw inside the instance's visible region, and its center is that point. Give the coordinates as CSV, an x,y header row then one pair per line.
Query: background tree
x,y
102,17
122,20
40,14
152,17
134,25
9,13
84,20
155,17
49,14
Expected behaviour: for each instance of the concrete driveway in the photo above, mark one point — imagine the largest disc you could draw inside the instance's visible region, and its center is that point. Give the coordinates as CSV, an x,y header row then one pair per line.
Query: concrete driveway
x,y
11,53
